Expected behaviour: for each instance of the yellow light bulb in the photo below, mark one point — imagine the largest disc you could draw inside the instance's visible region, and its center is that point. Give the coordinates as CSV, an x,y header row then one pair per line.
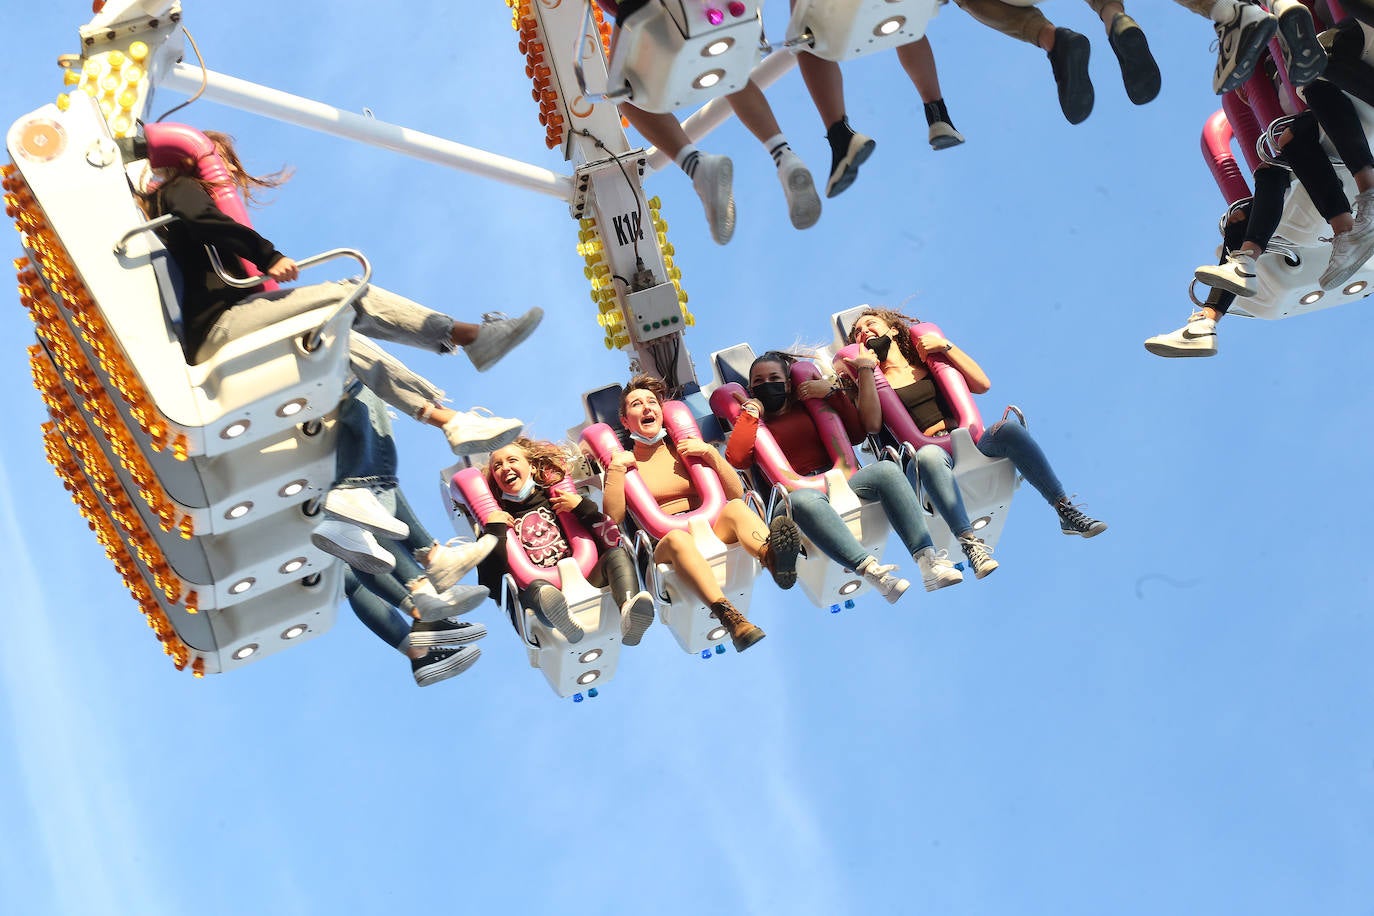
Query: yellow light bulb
x,y
138,51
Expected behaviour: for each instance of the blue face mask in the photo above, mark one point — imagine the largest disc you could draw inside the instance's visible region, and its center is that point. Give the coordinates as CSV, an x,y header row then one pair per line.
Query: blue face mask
x,y
524,492
649,440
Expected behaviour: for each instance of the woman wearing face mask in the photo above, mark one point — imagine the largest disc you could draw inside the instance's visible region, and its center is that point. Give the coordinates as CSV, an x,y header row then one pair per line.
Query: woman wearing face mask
x,y
777,406
889,348
520,476
660,463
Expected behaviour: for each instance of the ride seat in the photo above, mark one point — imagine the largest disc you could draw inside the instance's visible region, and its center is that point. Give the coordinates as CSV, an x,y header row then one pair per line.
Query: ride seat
x,y
841,31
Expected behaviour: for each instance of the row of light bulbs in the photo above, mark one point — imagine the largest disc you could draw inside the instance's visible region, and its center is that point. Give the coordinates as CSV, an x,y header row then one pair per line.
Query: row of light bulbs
x,y
117,549
537,69
666,248
118,81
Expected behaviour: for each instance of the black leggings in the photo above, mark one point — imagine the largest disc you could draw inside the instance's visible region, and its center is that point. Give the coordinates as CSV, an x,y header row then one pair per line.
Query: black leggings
x,y
1336,114
1262,215
1313,167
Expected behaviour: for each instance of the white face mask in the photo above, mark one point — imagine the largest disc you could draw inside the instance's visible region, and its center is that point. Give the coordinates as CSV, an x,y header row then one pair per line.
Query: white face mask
x,y
649,440
524,492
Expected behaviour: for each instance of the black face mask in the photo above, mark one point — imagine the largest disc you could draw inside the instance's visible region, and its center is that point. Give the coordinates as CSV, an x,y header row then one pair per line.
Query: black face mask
x,y
772,395
879,346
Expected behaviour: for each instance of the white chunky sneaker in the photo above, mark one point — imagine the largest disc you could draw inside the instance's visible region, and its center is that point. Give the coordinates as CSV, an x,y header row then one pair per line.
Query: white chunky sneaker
x,y
360,506
1196,338
1235,275
937,569
803,203
498,334
1349,252
1240,42
355,546
445,564
454,602
714,180
471,432
882,579
636,614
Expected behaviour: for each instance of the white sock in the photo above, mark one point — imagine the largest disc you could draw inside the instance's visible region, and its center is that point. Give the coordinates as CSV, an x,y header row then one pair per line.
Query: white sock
x,y
777,147
687,159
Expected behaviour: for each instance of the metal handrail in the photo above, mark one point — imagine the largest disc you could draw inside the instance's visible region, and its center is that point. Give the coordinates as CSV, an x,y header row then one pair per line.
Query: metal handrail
x,y
312,339
580,73
1013,409
644,545
150,225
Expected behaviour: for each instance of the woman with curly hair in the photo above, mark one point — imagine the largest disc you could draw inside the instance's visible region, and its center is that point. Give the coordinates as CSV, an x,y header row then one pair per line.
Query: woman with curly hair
x,y
520,476
888,346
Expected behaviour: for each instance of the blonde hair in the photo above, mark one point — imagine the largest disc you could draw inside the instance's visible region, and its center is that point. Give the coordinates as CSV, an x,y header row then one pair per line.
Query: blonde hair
x,y
549,463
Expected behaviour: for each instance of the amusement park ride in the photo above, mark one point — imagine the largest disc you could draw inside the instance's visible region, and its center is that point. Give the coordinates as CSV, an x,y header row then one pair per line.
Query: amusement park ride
x,y
203,483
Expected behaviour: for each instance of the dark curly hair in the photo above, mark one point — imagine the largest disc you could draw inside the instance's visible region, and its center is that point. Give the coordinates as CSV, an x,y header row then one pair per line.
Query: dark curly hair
x,y
897,320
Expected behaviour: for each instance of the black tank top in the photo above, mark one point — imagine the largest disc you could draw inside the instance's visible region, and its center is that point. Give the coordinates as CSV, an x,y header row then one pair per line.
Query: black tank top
x,y
923,401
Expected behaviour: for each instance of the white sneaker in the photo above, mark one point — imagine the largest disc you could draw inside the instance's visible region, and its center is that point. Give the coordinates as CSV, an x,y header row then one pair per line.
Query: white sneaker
x,y
456,601
471,432
937,569
714,180
636,614
882,579
803,203
361,507
1196,338
1235,275
447,563
355,546
497,335
1349,252
1303,56
1240,42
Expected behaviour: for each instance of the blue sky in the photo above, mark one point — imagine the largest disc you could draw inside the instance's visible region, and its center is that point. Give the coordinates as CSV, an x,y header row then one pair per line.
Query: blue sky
x,y
1172,718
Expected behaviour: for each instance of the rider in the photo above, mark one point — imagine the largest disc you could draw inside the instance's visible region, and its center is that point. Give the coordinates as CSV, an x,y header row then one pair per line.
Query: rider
x,y
775,405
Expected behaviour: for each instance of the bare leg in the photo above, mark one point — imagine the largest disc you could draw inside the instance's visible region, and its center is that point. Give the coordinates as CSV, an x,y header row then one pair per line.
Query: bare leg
x,y
825,82
918,60
739,525
679,551
754,112
662,130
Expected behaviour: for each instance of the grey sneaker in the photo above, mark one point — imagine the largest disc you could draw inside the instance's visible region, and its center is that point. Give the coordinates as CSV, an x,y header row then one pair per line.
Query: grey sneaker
x,y
442,664
636,615
1240,42
714,181
1235,275
1303,54
882,579
937,570
979,554
445,564
549,602
1363,205
497,335
1196,338
478,430
803,203
432,633
456,601
1349,252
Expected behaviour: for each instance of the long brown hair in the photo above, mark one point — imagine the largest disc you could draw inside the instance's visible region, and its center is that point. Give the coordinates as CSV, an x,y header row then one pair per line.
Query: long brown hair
x,y
247,182
548,463
894,319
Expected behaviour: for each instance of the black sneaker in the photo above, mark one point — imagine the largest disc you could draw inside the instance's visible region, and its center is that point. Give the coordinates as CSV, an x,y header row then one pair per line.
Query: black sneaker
x,y
1069,60
426,634
442,664
1139,72
781,550
550,602
1073,521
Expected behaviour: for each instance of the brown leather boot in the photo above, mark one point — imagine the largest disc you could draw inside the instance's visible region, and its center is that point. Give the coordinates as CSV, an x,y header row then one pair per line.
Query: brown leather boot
x,y
743,634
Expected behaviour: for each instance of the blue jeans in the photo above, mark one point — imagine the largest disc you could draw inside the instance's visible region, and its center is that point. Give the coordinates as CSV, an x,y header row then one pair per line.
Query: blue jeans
x,y
881,482
366,453
378,613
376,599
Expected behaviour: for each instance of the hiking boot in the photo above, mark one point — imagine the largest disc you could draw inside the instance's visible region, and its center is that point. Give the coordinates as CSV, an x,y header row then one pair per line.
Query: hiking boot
x,y
1073,521
1069,61
442,664
355,546
455,601
1349,252
427,634
780,550
1240,43
470,432
937,569
844,165
445,564
1303,55
1234,275
803,204
1139,72
882,579
979,555
498,334
636,614
549,602
360,506
743,634
1196,338
713,179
